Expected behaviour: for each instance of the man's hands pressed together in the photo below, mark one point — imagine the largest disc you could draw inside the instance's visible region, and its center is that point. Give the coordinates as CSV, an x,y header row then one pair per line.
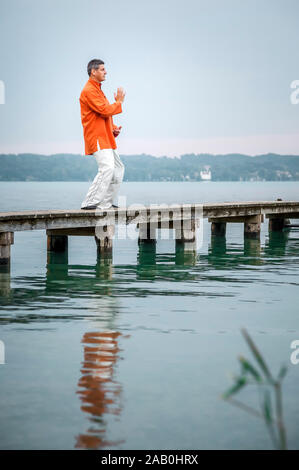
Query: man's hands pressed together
x,y
119,96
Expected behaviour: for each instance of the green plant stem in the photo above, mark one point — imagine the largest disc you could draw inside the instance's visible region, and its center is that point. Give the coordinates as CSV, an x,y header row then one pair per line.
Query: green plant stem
x,y
244,407
257,355
270,426
279,416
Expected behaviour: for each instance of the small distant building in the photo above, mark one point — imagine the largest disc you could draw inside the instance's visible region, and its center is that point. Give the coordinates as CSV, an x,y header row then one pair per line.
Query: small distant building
x,y
206,174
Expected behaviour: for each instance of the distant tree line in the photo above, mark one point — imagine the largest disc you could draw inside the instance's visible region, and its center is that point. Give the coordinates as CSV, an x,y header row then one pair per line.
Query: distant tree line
x,y
230,167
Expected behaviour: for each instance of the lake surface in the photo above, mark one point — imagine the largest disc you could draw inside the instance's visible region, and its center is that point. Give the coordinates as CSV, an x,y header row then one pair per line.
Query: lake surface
x,y
135,354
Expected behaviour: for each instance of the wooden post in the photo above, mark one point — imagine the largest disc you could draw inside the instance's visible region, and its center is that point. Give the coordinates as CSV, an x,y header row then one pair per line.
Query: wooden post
x,y
185,235
288,225
277,224
147,233
57,249
57,243
218,229
252,226
103,238
6,239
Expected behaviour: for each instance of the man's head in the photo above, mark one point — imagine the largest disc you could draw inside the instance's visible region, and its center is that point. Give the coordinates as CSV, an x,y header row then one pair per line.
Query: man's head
x,y
96,70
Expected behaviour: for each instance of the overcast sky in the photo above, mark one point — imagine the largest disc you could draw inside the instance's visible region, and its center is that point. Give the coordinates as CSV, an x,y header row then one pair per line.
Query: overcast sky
x,y
200,75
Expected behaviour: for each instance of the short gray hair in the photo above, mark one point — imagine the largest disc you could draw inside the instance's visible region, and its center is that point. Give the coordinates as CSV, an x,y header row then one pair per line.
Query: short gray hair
x,y
94,64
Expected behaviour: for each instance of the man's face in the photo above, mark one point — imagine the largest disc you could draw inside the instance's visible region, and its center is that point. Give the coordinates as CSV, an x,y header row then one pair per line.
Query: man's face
x,y
100,74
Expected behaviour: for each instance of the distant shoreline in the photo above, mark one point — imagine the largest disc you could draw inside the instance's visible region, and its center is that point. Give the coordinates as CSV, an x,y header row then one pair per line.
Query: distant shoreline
x,y
143,168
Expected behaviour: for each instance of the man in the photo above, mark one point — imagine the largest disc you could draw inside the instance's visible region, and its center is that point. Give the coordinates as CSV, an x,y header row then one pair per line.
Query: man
x,y
99,136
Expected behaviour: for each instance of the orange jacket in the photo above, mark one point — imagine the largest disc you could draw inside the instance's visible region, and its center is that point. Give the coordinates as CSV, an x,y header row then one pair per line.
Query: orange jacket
x,y
96,117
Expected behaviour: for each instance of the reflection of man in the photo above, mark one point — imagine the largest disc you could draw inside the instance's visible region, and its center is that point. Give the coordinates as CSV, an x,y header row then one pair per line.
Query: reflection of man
x,y
99,136
98,390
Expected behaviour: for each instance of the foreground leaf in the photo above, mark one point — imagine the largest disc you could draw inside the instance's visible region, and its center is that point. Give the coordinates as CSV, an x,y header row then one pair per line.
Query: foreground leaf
x,y
240,383
247,367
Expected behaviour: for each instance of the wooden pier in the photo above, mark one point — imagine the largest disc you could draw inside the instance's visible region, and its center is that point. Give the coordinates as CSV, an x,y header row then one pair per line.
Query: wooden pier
x,y
184,219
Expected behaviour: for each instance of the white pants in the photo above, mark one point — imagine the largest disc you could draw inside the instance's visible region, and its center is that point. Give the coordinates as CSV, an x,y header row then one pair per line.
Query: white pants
x,y
107,181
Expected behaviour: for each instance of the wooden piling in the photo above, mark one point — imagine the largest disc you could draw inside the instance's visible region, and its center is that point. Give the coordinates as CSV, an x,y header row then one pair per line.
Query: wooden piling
x,y
252,226
57,248
57,243
6,239
104,240
277,224
185,235
218,229
147,233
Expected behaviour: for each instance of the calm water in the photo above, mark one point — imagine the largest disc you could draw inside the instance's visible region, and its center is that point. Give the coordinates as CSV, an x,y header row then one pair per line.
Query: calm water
x,y
135,354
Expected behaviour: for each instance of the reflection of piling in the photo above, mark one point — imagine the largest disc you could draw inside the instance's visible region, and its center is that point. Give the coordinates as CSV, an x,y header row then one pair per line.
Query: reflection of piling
x,y
218,245
147,254
252,249
57,268
104,266
97,389
57,258
276,243
185,257
146,261
5,289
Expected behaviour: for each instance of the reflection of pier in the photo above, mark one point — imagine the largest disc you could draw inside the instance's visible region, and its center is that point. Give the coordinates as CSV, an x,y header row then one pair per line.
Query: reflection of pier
x,y
253,252
184,219
97,389
5,290
62,280
149,266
